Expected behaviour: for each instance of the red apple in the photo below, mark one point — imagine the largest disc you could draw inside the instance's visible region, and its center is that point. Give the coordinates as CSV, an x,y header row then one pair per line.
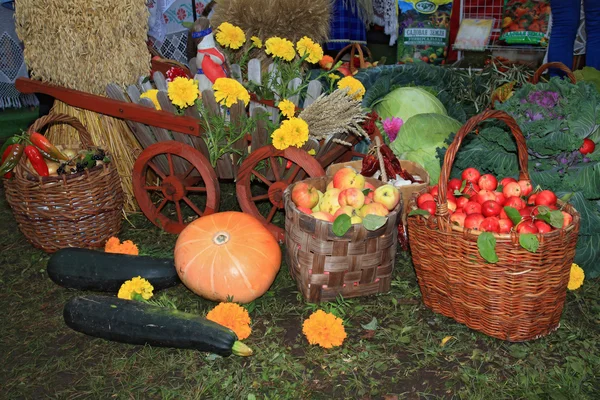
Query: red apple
x,y
490,224
567,219
545,198
304,210
305,195
500,199
506,181
526,187
423,198
472,208
488,182
458,218
503,214
491,209
471,189
429,206
454,184
527,227
485,195
512,189
373,208
531,199
515,202
451,204
504,225
470,175
526,212
433,190
323,216
461,201
352,197
473,221
348,177
388,195
542,226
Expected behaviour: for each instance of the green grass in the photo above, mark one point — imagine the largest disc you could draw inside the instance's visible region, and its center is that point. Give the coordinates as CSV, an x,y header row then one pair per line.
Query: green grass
x,y
403,358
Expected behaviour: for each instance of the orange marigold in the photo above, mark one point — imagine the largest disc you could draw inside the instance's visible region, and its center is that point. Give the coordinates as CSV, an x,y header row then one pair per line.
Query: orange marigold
x,y
113,245
324,329
232,316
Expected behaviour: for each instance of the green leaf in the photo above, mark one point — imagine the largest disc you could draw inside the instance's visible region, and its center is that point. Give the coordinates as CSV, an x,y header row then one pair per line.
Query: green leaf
x,y
463,185
373,222
586,177
486,243
371,326
418,212
567,197
341,225
513,214
366,191
529,242
556,219
588,253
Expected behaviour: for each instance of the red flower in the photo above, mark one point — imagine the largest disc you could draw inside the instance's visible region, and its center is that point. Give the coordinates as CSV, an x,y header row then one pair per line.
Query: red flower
x,y
166,18
199,8
175,72
181,14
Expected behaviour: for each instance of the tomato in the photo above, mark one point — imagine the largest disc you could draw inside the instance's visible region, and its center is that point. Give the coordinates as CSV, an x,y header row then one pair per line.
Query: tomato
x,y
513,189
505,225
473,221
515,202
542,226
471,175
423,198
526,187
454,184
490,208
429,206
545,198
587,147
527,227
488,182
472,208
490,224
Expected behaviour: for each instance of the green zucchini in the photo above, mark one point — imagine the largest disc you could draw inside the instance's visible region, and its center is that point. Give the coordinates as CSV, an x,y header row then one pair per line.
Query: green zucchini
x,y
85,269
135,322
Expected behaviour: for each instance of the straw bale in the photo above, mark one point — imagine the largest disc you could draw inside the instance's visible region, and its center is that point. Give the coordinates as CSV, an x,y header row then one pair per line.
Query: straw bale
x,y
84,44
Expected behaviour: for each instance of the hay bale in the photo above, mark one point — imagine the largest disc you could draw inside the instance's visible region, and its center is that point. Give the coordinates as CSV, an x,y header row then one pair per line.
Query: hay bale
x,y
84,44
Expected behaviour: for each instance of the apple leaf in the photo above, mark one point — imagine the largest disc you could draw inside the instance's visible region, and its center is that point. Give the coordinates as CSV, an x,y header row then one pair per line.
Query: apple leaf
x,y
419,212
513,214
373,222
463,185
499,188
486,243
529,242
567,197
341,225
367,191
557,219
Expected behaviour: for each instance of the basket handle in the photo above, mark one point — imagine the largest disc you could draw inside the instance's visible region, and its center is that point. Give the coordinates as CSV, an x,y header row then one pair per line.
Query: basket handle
x,y
469,126
84,136
558,65
353,47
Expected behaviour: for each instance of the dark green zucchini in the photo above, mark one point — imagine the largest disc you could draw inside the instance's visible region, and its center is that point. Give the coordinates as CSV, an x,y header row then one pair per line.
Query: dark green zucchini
x,y
85,269
135,322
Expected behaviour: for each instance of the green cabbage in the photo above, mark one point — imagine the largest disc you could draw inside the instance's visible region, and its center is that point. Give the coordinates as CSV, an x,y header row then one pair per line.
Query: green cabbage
x,y
405,102
419,138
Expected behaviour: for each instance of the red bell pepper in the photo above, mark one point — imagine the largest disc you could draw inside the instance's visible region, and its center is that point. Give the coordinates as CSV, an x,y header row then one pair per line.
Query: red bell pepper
x,y
46,148
37,161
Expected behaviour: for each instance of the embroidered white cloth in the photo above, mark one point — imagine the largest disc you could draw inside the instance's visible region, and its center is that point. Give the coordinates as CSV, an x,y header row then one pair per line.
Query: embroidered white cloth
x,y
386,15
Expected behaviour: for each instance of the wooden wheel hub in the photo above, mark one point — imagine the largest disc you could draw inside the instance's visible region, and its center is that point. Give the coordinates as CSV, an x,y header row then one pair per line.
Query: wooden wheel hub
x,y
276,193
173,189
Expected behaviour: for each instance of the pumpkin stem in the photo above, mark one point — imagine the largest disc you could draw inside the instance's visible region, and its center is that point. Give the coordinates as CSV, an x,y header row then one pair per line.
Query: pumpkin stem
x,y
221,238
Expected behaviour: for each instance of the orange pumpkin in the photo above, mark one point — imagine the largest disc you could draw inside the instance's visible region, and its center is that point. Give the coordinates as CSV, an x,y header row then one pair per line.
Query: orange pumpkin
x,y
227,254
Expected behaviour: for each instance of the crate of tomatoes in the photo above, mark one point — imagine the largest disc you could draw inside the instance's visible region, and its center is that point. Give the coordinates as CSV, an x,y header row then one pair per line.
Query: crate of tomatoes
x,y
67,196
493,253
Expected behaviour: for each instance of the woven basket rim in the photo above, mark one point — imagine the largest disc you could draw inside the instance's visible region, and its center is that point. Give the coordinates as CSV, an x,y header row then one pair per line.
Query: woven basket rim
x,y
61,178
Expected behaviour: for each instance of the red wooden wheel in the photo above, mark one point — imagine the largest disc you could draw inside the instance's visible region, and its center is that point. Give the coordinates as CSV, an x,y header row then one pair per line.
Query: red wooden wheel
x,y
183,186
265,174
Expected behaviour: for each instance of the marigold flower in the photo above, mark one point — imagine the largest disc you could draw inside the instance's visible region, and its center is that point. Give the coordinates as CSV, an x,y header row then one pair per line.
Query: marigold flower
x,y
231,36
281,48
312,50
229,91
113,245
333,77
152,95
324,329
288,109
232,316
312,152
136,286
356,90
256,42
576,277
279,139
183,92
291,132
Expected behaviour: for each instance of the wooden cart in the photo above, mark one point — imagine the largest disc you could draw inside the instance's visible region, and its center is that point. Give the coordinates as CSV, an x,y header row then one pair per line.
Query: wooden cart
x,y
173,180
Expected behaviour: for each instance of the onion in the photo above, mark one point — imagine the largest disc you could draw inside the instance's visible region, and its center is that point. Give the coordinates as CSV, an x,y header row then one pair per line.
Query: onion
x,y
52,167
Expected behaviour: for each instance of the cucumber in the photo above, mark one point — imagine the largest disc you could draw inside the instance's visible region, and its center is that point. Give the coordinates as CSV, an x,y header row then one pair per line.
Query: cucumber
x,y
85,269
135,322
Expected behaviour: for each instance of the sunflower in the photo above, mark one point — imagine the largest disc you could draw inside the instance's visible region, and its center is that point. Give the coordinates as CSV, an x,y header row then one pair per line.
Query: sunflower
x,y
231,36
280,48
356,90
324,329
576,277
183,92
313,51
136,287
288,109
232,316
229,91
256,42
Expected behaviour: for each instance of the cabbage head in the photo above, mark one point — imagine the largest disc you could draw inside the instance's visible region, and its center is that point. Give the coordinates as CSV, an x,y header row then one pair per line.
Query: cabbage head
x,y
419,138
405,102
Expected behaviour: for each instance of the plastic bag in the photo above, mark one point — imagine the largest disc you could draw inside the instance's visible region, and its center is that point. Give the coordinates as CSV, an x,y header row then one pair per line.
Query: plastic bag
x,y
525,22
424,30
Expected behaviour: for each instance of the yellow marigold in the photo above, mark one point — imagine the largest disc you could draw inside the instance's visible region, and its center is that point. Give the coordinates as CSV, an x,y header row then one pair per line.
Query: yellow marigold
x,y
282,48
152,95
356,90
279,139
113,245
324,329
232,316
228,91
291,132
312,50
256,42
576,278
183,92
288,109
231,36
136,286
312,152
333,77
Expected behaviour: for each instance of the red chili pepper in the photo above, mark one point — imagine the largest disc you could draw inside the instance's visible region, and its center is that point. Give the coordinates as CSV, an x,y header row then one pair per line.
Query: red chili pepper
x,y
45,147
11,158
370,165
37,161
5,154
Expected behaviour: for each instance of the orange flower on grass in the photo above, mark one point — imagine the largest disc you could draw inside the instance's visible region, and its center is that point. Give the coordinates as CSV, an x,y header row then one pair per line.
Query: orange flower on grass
x,y
232,316
114,245
324,329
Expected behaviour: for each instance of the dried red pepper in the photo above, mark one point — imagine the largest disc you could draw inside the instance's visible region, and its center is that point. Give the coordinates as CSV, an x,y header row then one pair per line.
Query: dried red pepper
x,y
46,148
37,160
370,165
402,237
11,158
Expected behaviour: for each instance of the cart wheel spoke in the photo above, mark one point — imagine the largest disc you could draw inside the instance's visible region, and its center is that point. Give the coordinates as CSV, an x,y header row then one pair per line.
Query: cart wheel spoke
x,y
262,177
293,173
260,197
188,172
200,189
275,167
171,167
192,206
271,213
179,214
162,204
156,170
